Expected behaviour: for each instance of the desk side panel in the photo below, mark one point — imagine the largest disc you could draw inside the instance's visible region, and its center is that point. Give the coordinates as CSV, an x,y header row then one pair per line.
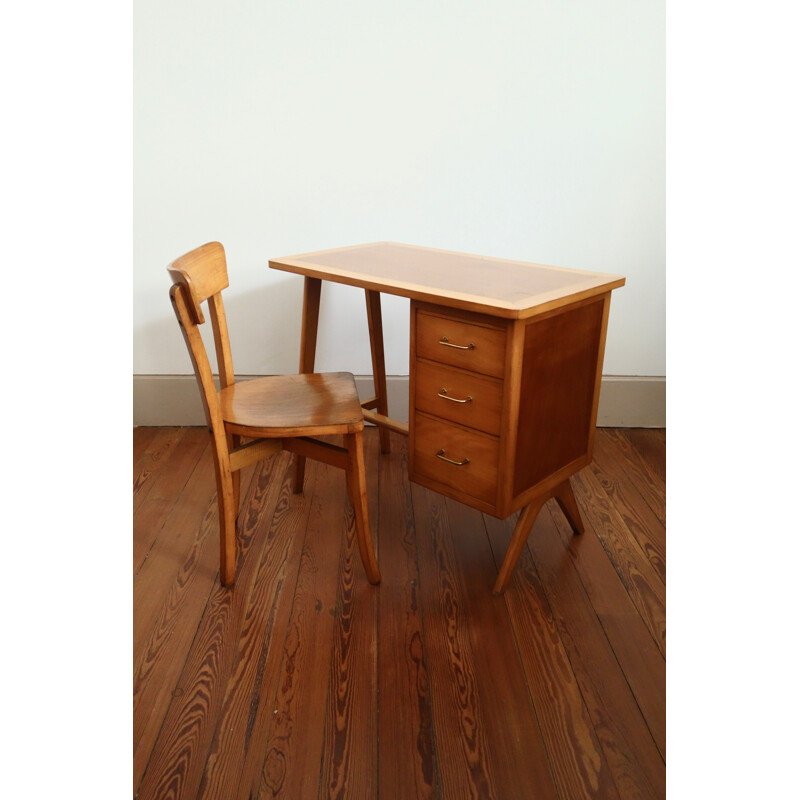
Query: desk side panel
x,y
562,356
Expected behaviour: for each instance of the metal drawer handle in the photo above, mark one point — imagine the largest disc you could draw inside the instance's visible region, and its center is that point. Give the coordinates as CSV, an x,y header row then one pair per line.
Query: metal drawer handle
x,y
461,463
443,394
446,342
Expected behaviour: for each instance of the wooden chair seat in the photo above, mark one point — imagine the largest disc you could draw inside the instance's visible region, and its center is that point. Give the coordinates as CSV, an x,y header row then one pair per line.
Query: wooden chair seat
x,y
313,404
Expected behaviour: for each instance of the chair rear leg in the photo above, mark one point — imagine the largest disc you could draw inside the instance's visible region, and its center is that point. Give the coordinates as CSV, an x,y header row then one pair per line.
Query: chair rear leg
x,y
357,490
226,499
234,441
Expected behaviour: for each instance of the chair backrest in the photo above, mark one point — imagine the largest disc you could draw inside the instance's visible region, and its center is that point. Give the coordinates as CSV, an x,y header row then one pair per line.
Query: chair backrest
x,y
197,277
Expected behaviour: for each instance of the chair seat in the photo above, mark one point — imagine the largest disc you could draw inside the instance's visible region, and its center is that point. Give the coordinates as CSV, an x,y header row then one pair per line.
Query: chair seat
x,y
293,405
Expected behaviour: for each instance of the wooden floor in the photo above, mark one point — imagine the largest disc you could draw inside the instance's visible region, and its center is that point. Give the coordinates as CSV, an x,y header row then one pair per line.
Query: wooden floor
x,y
306,682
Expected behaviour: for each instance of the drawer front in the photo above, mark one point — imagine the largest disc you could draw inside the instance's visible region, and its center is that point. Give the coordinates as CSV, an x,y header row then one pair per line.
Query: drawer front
x,y
477,478
463,397
462,344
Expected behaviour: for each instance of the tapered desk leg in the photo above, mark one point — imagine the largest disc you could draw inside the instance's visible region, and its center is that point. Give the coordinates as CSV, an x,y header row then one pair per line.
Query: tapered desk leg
x,y
308,349
566,501
378,363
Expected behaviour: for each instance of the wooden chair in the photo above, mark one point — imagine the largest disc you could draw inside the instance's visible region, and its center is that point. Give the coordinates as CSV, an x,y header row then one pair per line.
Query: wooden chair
x,y
274,413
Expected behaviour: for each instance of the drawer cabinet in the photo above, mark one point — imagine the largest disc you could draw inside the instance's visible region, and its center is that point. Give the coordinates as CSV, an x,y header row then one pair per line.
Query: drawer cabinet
x,y
457,395
503,410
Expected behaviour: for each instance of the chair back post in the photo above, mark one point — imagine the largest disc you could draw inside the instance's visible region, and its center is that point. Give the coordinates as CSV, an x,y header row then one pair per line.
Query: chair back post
x,y
200,276
198,356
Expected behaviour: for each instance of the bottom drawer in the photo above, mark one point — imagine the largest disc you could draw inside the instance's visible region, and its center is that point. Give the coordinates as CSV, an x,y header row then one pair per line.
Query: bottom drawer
x,y
476,478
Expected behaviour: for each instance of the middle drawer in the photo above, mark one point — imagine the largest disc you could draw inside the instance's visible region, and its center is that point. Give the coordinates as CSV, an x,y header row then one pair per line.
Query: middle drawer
x,y
464,397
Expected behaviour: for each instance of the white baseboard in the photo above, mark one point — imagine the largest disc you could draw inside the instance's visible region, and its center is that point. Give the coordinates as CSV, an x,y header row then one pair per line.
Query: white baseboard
x,y
625,402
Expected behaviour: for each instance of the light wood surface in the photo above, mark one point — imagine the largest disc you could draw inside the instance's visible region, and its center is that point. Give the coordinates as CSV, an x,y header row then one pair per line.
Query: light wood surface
x,y
501,287
287,409
315,404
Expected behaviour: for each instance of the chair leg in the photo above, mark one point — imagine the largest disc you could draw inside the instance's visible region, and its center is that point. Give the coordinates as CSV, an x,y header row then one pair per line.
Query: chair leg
x,y
299,473
226,500
233,443
357,490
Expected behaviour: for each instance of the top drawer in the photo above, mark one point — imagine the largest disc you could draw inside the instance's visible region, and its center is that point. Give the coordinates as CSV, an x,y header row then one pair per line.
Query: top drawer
x,y
462,344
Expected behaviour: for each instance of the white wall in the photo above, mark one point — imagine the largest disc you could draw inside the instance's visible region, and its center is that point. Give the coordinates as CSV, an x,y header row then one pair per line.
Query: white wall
x,y
530,130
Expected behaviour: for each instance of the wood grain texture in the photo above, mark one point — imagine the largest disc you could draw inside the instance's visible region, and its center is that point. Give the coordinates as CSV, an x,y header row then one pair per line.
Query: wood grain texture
x,y
164,492
646,671
147,467
142,437
557,392
641,521
189,725
647,474
652,445
577,761
305,681
170,593
349,767
520,762
291,748
462,744
250,689
641,580
293,405
507,288
405,734
628,746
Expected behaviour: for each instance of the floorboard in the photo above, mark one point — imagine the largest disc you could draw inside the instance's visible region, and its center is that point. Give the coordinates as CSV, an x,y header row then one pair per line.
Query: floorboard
x,y
304,681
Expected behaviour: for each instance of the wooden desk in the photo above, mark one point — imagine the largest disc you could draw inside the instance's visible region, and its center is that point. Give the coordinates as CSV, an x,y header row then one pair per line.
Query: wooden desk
x,y
506,360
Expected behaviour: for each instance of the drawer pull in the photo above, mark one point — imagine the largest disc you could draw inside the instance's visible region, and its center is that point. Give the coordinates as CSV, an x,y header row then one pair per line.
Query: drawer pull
x,y
446,342
443,394
461,463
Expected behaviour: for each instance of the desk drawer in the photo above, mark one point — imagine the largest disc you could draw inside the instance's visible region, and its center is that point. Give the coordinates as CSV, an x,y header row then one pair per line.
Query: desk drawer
x,y
462,344
469,399
477,478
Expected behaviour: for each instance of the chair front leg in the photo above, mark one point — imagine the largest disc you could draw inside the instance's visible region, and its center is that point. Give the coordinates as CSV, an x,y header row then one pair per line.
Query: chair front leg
x,y
357,490
228,505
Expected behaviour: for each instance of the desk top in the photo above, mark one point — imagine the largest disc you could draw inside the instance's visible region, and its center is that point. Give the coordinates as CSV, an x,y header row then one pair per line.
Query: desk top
x,y
496,286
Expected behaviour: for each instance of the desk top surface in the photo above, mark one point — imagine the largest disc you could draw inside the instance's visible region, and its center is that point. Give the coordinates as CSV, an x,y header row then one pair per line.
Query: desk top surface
x,y
496,286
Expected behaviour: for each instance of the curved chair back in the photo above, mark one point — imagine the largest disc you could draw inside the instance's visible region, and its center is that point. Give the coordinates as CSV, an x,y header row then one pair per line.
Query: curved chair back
x,y
200,276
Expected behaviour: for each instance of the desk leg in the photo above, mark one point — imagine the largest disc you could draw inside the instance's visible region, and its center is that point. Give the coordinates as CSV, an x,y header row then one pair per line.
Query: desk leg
x,y
308,349
378,364
566,501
